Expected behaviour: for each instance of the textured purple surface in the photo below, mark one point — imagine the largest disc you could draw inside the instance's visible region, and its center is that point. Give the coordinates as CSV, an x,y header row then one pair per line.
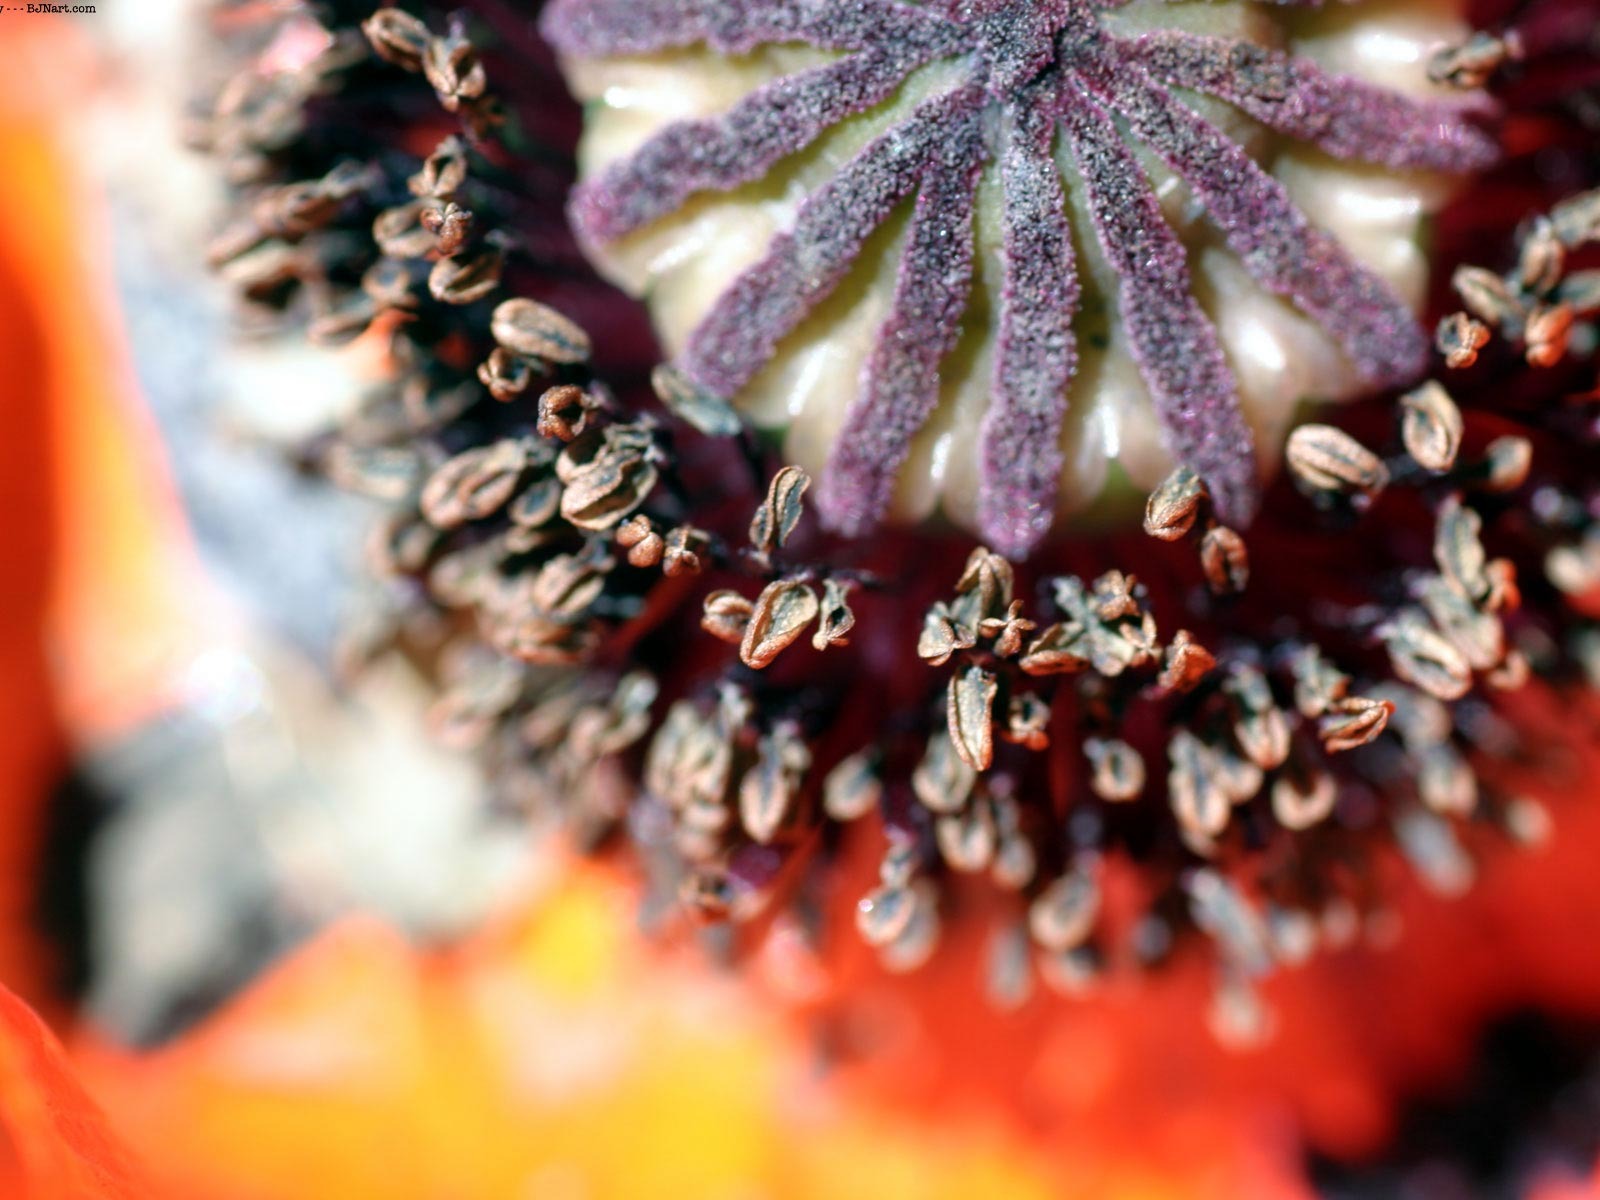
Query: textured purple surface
x,y
1035,353
1172,340
1035,65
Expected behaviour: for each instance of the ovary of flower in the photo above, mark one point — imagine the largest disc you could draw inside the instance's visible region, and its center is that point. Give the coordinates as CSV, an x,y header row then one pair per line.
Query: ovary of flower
x,y
926,286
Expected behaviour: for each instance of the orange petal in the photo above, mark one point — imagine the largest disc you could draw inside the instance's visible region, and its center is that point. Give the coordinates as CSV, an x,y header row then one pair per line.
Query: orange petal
x,y
54,1142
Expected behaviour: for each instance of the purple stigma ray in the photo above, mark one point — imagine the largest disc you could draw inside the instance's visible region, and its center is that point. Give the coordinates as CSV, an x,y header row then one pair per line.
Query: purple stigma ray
x,y
740,333
1035,354
601,28
1035,64
1345,117
1173,342
900,381
1280,249
719,155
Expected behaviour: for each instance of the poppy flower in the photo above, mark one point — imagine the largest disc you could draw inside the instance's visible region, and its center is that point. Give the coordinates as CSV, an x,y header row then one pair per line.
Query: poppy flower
x,y
1145,854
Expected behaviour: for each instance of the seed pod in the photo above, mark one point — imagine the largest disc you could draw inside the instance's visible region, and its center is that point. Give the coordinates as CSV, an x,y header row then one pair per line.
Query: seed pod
x,y
1354,722
1172,507
1431,427
1328,459
725,615
711,415
1459,338
397,37
777,515
1225,560
474,484
1063,915
969,709
1117,772
782,612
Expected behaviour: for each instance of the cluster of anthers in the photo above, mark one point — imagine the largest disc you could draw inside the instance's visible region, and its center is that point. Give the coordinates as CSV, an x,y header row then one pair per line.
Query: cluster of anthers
x,y
635,619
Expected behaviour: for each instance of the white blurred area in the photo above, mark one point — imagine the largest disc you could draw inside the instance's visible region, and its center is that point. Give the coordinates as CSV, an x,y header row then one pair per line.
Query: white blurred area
x,y
268,797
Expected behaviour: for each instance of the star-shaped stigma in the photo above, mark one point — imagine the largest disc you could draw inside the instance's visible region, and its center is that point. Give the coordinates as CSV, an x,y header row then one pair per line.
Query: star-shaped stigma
x,y
1030,72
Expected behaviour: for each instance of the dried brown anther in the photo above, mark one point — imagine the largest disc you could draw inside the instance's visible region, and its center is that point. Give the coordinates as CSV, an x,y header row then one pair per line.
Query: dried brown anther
x,y
450,225
1064,913
1473,64
778,514
1027,722
1117,773
711,415
466,278
1547,333
474,484
397,37
685,546
782,612
969,710
1187,663
1354,722
564,412
1488,297
538,331
452,68
725,615
1326,459
1171,510
505,374
1508,460
836,620
1459,338
1431,427
1225,560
